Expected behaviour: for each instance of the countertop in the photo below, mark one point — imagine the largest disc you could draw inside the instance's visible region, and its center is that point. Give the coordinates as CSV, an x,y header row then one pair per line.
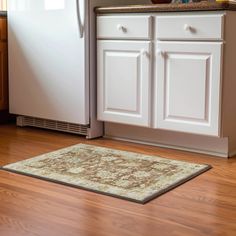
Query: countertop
x,y
172,7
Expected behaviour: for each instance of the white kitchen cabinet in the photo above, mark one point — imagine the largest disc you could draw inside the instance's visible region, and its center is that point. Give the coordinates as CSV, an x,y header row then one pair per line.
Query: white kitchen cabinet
x,y
123,75
192,96
179,88
188,87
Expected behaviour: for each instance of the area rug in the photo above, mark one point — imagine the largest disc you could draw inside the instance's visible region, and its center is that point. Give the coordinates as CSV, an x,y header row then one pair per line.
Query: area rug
x,y
122,174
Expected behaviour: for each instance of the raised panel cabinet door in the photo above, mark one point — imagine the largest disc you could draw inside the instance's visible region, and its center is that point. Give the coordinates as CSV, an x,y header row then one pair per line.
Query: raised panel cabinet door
x,y
124,82
188,87
3,77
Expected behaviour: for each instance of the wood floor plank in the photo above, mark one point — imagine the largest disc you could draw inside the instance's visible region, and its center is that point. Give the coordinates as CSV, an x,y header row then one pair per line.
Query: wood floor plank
x,y
204,206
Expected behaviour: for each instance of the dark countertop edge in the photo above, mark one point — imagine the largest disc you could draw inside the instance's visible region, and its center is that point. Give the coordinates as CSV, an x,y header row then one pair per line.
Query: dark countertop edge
x,y
172,7
3,13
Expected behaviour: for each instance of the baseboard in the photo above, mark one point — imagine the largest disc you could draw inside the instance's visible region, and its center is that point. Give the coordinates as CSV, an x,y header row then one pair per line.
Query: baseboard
x,y
212,153
209,145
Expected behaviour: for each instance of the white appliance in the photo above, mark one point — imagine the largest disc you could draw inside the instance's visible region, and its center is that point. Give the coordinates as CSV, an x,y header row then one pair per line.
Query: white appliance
x,y
52,79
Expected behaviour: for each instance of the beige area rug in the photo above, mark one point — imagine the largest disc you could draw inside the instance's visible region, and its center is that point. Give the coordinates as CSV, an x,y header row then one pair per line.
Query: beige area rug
x,y
122,174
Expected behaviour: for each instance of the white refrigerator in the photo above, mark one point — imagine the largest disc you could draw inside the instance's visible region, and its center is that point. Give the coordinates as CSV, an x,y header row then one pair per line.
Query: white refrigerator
x,y
52,72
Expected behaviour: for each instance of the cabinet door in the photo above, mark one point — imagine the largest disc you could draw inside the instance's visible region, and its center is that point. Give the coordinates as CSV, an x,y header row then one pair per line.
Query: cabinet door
x,y
124,82
3,77
187,87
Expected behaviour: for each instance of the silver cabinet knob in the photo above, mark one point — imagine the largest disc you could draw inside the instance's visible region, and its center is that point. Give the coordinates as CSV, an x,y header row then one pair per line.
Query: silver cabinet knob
x,y
187,27
121,28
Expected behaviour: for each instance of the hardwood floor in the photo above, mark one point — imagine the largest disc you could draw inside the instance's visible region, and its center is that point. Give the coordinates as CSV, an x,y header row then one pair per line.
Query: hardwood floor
x,y
205,205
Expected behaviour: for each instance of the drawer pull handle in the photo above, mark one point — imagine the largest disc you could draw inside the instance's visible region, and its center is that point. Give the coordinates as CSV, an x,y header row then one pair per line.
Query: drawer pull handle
x,y
121,28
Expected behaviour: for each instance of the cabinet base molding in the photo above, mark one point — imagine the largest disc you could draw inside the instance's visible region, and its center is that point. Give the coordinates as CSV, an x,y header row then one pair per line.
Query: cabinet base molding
x,y
180,141
212,153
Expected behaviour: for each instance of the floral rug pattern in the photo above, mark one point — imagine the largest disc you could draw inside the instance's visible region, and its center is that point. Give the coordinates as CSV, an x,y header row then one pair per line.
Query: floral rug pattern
x,y
127,175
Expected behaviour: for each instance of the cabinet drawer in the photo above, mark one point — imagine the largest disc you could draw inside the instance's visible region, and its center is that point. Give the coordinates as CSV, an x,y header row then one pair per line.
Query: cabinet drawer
x,y
3,29
192,27
124,27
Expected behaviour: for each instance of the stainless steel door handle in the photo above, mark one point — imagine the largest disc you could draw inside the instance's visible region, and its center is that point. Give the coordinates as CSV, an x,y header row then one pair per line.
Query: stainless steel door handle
x,y
80,8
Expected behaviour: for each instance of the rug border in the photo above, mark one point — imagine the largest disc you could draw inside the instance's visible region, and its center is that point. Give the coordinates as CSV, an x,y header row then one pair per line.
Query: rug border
x,y
144,201
180,182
